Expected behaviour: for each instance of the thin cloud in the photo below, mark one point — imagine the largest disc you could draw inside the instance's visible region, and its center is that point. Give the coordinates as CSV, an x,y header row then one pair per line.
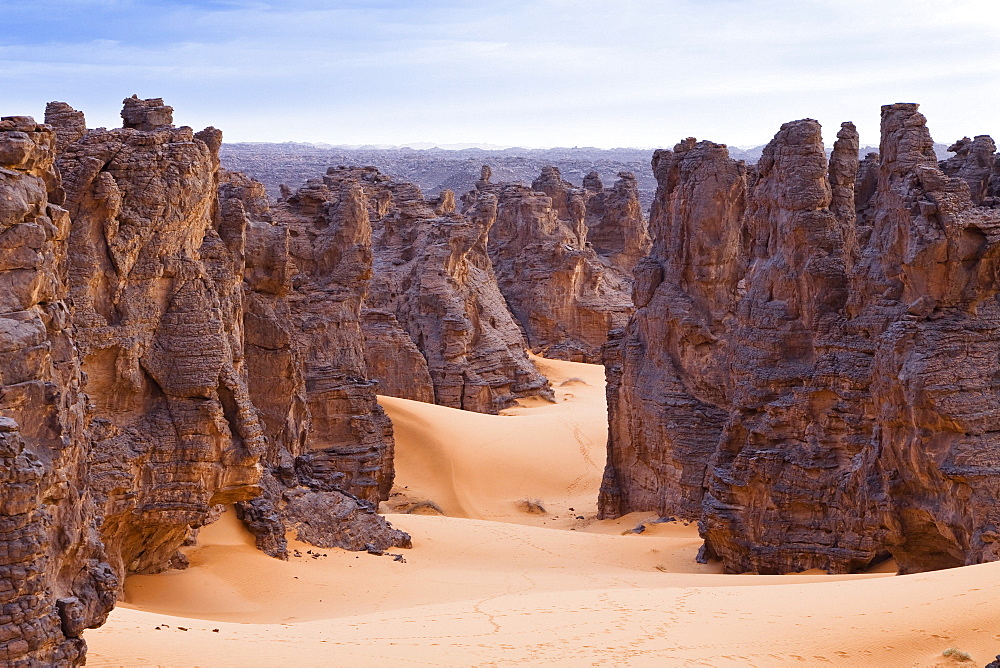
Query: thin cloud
x,y
533,73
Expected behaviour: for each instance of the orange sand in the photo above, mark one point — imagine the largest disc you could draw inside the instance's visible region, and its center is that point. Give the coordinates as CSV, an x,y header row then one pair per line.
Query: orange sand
x,y
497,582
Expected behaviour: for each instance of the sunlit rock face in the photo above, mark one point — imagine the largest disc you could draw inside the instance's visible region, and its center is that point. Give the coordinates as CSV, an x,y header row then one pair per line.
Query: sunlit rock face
x,y
54,577
808,369
155,285
164,335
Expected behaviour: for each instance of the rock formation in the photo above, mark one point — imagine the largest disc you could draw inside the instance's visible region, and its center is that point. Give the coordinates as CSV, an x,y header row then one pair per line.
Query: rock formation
x,y
807,369
165,335
394,359
616,228
330,456
976,162
54,581
156,304
565,295
434,285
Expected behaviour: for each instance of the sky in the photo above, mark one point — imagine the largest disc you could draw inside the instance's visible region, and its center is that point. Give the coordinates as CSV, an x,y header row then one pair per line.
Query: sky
x,y
541,73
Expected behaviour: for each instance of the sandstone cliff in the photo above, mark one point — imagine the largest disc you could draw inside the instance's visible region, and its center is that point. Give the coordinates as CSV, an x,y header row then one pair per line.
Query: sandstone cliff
x,y
564,294
53,570
165,335
807,368
329,458
616,228
434,285
156,299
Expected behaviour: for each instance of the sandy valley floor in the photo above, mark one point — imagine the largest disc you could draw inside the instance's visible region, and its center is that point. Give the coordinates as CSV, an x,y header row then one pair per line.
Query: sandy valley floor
x,y
517,570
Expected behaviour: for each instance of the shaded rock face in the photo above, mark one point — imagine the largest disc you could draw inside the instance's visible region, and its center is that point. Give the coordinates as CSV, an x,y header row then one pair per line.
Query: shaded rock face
x,y
976,162
616,228
329,459
394,359
434,285
807,367
55,580
565,295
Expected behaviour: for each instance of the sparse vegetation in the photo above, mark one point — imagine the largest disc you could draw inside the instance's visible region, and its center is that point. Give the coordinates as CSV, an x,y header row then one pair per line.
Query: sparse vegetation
x,y
532,506
423,508
957,655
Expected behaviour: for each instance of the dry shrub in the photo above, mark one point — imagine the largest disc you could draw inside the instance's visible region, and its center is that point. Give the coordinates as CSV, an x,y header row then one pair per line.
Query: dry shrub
x,y
532,506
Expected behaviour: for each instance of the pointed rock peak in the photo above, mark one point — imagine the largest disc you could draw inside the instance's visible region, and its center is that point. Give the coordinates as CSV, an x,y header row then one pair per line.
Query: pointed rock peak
x,y
906,141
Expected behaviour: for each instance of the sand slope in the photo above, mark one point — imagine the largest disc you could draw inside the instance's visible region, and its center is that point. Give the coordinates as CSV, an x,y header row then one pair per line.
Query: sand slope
x,y
494,583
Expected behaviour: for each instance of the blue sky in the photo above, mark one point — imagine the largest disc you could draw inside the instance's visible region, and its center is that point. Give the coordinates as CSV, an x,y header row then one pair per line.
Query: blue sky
x,y
544,73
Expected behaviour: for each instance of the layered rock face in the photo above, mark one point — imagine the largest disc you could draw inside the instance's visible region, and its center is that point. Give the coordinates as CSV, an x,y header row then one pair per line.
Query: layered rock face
x,y
808,366
165,334
616,228
976,162
564,294
156,290
330,455
434,286
54,581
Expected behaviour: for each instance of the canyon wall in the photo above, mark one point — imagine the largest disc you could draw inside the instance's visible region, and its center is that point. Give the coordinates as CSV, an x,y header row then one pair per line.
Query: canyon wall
x,y
54,577
433,285
565,292
172,345
330,458
156,291
808,368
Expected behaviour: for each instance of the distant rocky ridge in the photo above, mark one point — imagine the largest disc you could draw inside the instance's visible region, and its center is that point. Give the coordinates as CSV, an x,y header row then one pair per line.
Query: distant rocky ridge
x,y
437,169
811,369
434,170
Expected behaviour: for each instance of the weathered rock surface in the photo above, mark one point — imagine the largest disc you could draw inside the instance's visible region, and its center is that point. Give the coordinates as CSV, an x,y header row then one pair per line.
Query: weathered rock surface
x,y
807,369
976,162
329,457
156,290
434,284
564,294
68,123
54,581
394,359
616,228
164,334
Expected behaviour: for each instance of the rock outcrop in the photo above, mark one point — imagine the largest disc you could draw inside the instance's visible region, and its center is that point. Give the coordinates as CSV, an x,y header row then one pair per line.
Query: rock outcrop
x,y
434,284
329,459
156,293
165,335
394,359
976,162
616,228
807,370
565,295
54,579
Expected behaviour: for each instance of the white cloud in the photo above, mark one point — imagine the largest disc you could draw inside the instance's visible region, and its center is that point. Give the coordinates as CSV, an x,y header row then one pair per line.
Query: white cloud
x,y
550,72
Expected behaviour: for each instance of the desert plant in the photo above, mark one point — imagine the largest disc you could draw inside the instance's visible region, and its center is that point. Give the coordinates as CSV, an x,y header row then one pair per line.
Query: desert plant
x,y
532,506
956,654
424,505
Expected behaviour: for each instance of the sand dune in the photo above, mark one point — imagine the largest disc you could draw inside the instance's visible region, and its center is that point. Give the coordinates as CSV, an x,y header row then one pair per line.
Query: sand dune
x,y
496,582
